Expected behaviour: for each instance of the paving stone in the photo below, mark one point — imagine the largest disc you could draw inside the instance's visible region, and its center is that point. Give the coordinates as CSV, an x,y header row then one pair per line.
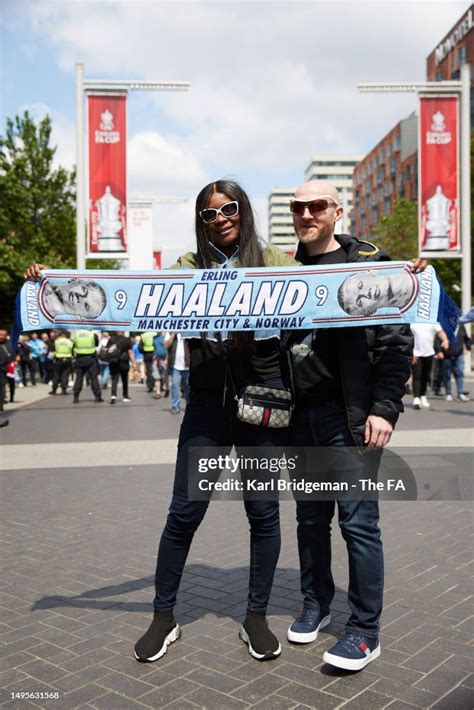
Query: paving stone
x,y
212,679
212,700
440,681
77,698
461,698
42,670
308,696
169,693
368,699
259,689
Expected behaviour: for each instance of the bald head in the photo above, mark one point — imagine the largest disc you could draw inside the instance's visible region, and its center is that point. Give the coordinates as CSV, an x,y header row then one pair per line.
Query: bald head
x,y
317,188
314,221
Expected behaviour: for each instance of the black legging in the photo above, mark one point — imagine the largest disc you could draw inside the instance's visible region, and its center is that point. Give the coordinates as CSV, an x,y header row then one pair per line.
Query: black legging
x,y
119,369
421,375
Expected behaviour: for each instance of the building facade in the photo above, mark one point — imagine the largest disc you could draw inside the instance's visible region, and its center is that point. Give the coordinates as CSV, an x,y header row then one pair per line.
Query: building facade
x,y
280,220
338,170
386,174
454,50
390,171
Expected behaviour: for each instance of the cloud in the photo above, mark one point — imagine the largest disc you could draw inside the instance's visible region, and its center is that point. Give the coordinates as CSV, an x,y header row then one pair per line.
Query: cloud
x,y
272,84
160,167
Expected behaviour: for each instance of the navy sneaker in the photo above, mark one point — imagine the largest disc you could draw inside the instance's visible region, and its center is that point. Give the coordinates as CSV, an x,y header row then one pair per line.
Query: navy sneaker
x,y
305,628
353,652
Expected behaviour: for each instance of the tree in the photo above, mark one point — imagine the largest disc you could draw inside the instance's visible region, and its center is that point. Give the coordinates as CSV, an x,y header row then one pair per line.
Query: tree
x,y
37,208
398,235
37,214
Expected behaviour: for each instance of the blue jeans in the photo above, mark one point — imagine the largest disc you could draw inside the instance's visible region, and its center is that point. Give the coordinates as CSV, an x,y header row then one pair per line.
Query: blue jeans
x,y
326,425
104,373
454,366
207,423
178,377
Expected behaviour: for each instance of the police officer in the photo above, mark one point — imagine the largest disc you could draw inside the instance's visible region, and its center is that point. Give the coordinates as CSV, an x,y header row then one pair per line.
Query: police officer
x,y
85,343
147,347
63,347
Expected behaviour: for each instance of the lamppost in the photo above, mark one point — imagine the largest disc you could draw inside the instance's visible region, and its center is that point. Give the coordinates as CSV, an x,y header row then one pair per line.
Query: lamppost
x,y
462,88
104,86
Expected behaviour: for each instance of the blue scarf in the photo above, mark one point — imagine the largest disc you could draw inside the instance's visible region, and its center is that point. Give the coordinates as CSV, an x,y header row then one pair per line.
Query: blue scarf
x,y
221,300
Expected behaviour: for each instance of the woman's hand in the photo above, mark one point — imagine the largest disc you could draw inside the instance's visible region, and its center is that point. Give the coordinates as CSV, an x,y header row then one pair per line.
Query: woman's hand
x,y
33,272
419,265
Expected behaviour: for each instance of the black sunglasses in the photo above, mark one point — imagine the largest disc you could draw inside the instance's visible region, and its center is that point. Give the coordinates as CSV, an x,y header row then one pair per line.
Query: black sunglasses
x,y
314,206
209,215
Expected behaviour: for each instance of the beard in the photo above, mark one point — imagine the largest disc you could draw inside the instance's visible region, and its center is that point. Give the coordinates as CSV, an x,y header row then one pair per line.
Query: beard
x,y
323,234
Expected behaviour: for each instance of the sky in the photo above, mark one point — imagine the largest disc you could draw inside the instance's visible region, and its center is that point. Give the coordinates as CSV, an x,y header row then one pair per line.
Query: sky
x,y
272,85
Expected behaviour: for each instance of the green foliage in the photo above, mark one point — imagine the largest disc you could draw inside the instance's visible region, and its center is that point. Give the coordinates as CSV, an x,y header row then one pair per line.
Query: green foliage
x,y
398,235
37,212
398,232
37,208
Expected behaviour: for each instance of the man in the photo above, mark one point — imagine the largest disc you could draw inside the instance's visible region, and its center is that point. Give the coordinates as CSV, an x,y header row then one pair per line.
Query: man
x,y
147,347
178,366
349,384
78,297
38,353
85,345
364,293
7,356
63,347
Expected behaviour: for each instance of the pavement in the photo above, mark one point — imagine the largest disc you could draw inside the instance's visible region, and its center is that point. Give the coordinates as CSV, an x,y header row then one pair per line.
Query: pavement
x,y
84,493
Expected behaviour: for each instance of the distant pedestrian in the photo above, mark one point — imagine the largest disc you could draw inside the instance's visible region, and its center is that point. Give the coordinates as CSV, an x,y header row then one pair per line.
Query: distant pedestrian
x,y
120,356
161,370
147,348
422,361
453,363
103,365
63,349
178,364
7,358
27,364
138,370
85,344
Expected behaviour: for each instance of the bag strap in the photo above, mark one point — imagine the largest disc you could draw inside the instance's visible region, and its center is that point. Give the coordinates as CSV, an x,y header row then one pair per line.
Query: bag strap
x,y
228,372
286,357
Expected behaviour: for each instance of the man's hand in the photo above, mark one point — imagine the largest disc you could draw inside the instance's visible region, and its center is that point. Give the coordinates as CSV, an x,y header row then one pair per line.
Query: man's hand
x,y
377,432
419,265
33,272
414,360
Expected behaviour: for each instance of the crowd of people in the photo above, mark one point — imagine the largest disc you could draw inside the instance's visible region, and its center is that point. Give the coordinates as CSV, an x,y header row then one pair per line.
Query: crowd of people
x,y
64,360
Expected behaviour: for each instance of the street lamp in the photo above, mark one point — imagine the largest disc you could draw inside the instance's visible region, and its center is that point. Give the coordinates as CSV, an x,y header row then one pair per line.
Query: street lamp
x,y
104,86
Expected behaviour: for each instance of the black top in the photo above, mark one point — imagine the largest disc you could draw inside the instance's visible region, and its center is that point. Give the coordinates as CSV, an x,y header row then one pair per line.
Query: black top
x,y
314,352
257,364
123,344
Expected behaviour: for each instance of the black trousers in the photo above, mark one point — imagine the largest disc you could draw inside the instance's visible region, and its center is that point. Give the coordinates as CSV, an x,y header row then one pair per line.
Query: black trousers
x,y
61,370
421,375
119,369
87,365
30,366
149,379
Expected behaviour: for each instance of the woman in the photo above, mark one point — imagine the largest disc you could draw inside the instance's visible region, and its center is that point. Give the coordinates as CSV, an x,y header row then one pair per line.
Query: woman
x,y
226,238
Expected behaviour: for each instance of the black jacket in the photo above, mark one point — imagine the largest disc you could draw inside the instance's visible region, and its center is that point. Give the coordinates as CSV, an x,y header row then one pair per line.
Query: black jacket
x,y
374,361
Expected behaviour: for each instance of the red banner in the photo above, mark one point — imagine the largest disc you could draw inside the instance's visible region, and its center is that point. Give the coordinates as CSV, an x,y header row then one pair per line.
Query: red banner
x,y
157,259
439,174
107,174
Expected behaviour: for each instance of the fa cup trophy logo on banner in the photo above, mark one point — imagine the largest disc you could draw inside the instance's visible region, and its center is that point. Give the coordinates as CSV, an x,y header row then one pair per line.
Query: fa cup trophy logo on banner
x,y
438,220
109,220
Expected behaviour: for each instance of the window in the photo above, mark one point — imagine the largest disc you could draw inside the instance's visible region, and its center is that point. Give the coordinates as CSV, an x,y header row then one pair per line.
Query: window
x,y
398,141
438,76
389,149
382,154
462,55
